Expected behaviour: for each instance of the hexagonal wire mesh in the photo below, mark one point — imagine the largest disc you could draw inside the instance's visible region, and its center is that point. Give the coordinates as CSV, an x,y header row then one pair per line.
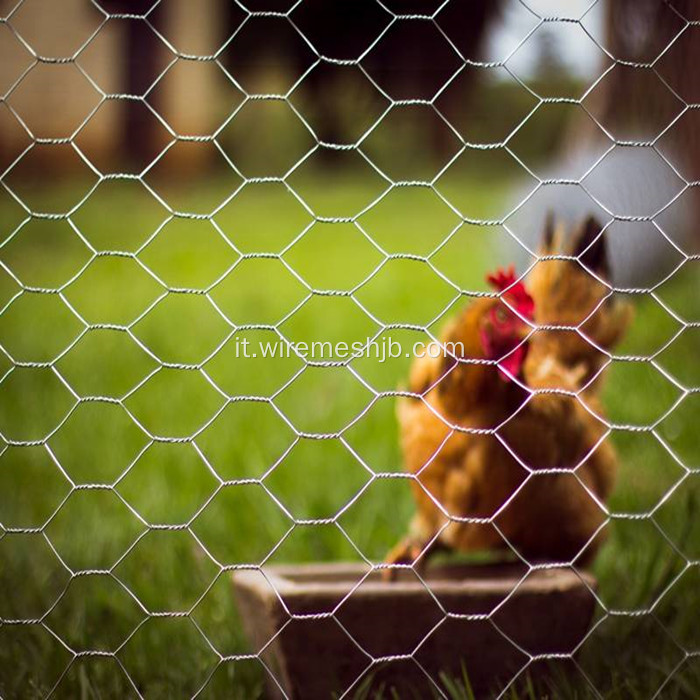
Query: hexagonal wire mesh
x,y
143,462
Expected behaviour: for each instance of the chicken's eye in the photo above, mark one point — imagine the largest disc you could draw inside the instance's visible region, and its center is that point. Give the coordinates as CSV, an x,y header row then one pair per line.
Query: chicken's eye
x,y
500,314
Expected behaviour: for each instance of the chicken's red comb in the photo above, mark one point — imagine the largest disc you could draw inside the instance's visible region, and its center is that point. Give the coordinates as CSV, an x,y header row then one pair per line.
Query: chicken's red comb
x,y
505,281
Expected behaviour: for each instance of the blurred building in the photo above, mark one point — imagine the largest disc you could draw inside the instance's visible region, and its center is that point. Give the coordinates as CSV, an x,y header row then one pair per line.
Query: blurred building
x,y
111,85
123,88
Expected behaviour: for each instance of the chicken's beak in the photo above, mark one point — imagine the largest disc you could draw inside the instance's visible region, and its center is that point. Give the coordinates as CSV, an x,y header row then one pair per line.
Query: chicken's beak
x,y
523,332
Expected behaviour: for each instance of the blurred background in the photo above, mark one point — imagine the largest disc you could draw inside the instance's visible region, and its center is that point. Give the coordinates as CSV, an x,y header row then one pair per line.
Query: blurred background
x,y
176,177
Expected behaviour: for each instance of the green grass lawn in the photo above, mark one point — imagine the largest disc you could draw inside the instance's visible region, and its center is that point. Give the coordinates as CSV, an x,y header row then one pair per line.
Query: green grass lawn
x,y
87,494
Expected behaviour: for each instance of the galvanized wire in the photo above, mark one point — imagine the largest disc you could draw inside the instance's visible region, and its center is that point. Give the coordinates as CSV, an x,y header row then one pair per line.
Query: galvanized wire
x,y
458,294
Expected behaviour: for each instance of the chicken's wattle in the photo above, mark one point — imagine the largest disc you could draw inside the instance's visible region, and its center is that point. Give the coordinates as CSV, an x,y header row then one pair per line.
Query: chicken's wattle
x,y
511,365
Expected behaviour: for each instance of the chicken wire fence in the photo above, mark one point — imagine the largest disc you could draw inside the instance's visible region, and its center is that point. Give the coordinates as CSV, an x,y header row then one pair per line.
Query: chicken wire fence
x,y
80,615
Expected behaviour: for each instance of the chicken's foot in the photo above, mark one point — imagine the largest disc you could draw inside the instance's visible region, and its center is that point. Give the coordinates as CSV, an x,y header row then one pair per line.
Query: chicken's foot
x,y
412,552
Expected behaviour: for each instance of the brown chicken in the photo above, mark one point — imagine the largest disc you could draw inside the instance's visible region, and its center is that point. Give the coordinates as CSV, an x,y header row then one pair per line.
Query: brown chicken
x,y
504,452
